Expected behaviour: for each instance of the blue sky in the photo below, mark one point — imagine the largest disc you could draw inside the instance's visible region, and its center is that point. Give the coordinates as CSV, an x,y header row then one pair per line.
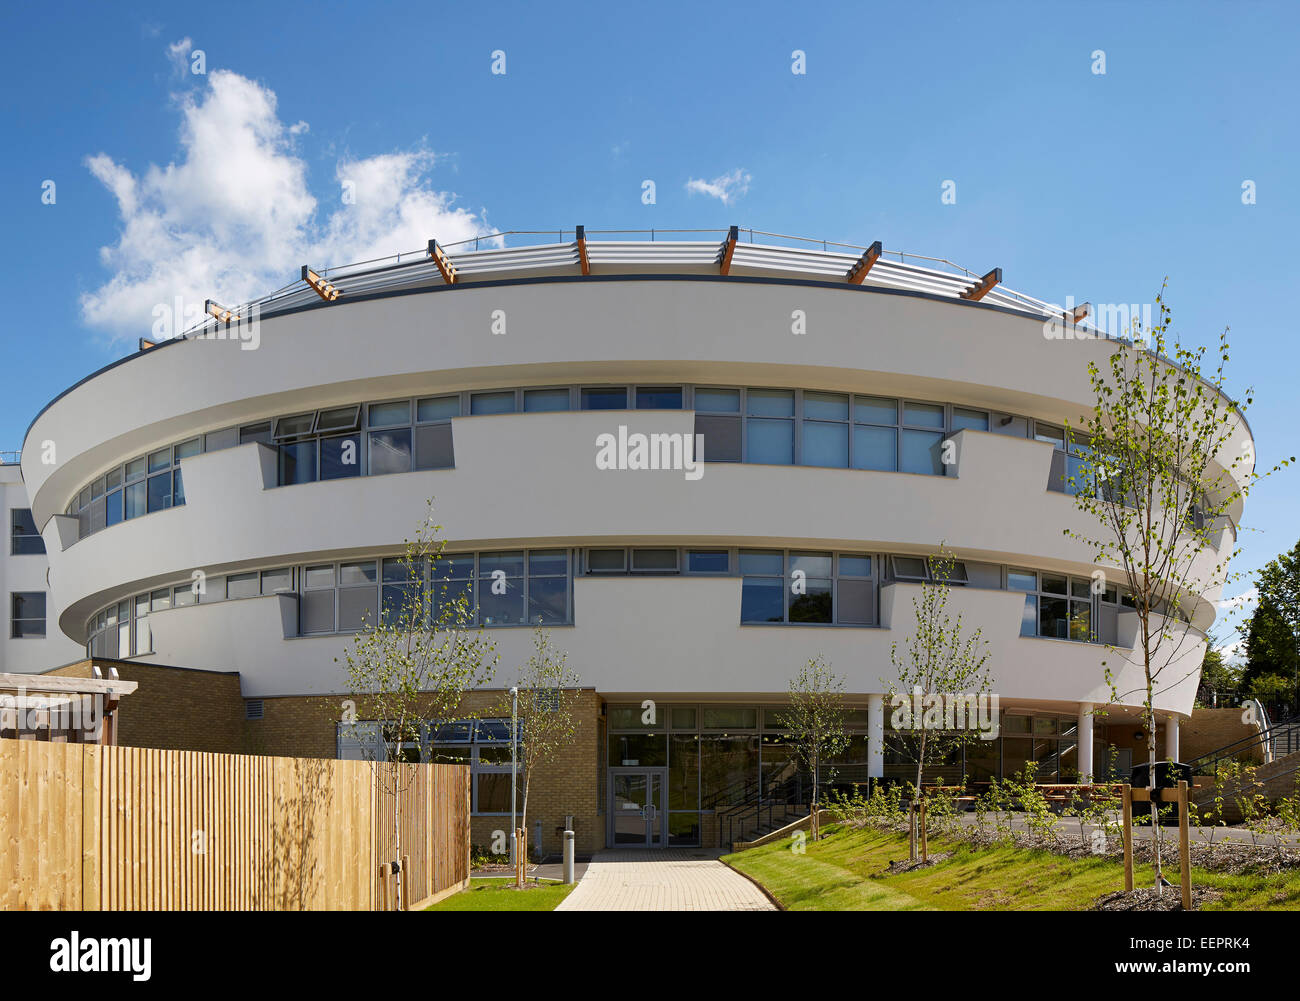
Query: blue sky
x,y
1073,182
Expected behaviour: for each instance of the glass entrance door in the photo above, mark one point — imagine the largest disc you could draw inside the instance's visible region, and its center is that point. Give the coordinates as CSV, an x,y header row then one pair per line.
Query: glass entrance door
x,y
636,807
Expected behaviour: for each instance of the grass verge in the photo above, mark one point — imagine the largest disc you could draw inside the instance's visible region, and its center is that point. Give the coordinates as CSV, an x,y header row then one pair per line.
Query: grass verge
x,y
848,870
500,895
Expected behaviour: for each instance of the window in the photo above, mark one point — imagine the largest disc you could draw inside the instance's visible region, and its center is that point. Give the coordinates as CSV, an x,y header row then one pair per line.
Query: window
x,y
390,451
717,419
340,457
654,560
606,560
294,427
921,449
494,589
242,585
500,589
545,400
141,486
605,398
316,604
825,439
27,614
548,586
717,561
659,398
769,426
143,634
492,403
358,597
24,540
1057,606
762,595
339,419
808,588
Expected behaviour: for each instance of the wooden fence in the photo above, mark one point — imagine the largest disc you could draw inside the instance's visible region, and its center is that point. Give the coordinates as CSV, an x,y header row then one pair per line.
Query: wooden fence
x,y
85,827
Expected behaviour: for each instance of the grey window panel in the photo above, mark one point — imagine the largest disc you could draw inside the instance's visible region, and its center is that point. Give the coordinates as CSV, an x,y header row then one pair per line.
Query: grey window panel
x,y
1016,427
437,408
875,447
390,451
984,575
856,602
654,559
718,400
1108,626
362,573
908,568
1056,478
382,415
316,613
274,580
242,585
339,419
721,437
358,606
183,596
606,560
214,441
295,426
434,448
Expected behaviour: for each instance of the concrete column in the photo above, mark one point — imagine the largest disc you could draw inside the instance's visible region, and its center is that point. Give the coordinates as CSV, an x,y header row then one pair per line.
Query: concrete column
x,y
1084,752
875,736
1171,738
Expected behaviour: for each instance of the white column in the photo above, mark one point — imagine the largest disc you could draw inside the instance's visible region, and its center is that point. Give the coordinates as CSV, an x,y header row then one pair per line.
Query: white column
x,y
1171,738
875,736
1084,750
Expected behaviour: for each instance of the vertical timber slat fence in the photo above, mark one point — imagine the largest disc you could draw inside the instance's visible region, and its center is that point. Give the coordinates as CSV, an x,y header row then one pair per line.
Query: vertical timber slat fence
x,y
91,827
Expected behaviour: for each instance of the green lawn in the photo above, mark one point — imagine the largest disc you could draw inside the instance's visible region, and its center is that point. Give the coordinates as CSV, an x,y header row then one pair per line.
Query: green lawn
x,y
499,894
847,871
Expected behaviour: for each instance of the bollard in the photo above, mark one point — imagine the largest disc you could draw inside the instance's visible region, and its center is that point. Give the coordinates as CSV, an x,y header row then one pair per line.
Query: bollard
x,y
568,858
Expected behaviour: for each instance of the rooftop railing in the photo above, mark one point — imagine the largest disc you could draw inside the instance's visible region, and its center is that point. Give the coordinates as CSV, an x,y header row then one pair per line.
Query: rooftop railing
x,y
488,256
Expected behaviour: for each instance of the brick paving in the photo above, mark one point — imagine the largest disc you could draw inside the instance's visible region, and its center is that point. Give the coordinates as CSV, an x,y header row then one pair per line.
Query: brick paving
x,y
669,880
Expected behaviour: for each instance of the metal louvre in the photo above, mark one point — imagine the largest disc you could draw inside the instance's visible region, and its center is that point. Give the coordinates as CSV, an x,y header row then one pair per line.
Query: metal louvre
x,y
415,269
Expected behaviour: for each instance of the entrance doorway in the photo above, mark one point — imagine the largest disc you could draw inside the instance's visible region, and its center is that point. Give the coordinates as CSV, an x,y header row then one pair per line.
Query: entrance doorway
x,y
637,817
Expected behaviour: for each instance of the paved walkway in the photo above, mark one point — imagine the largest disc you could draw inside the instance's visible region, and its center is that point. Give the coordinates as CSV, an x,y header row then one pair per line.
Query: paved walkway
x,y
669,880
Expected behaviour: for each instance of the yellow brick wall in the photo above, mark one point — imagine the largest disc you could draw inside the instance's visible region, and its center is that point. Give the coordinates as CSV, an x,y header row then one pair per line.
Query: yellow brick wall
x,y
174,708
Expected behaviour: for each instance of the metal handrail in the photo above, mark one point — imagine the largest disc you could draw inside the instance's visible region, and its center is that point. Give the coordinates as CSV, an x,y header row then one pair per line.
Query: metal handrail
x,y
1264,737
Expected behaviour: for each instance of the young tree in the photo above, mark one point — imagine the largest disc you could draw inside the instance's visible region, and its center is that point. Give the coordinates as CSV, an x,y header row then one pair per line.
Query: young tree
x,y
941,661
413,664
815,722
1156,468
547,700
1279,591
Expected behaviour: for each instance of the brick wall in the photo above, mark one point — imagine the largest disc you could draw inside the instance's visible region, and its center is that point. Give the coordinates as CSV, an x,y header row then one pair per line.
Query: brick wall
x,y
174,708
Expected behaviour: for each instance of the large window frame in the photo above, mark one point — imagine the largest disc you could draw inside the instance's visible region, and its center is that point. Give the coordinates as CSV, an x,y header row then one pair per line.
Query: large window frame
x,y
24,539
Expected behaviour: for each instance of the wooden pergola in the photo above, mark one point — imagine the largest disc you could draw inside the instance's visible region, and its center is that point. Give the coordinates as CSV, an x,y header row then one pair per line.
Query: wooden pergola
x,y
61,710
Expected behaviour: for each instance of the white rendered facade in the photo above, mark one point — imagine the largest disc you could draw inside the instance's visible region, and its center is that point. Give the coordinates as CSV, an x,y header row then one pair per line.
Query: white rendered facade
x,y
529,481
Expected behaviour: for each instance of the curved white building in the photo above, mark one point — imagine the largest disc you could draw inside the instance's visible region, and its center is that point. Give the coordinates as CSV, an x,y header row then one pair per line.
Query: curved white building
x,y
286,462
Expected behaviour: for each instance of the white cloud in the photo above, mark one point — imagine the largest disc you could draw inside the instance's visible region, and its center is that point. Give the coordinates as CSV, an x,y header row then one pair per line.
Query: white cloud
x,y
233,216
178,54
726,187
